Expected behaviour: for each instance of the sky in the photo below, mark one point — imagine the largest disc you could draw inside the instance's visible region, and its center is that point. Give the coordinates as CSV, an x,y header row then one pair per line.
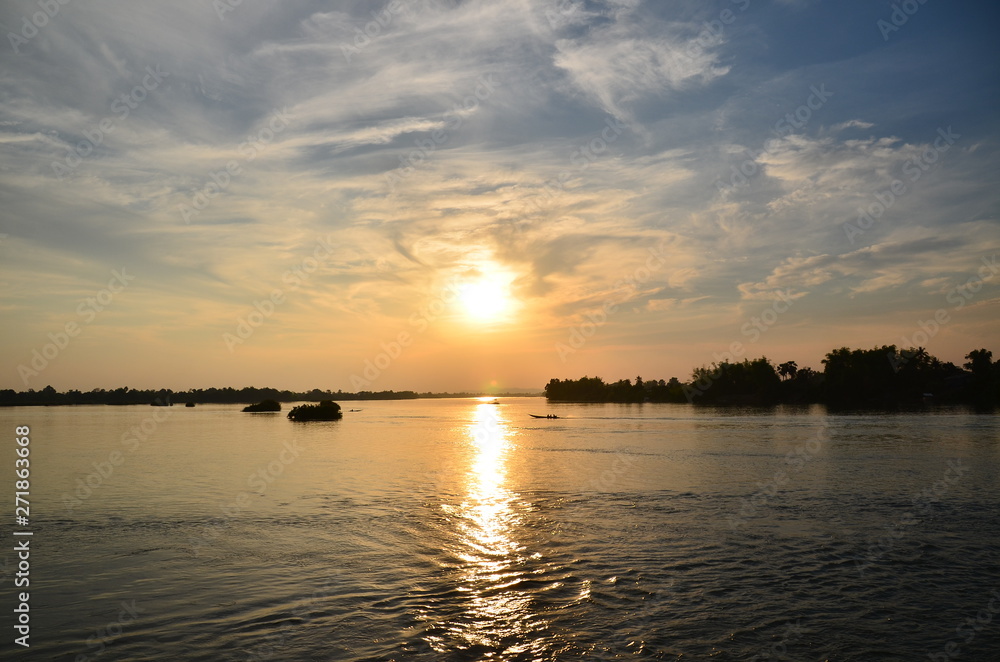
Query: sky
x,y
446,195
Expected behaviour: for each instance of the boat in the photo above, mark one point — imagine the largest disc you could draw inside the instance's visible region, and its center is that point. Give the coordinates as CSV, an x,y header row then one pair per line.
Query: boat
x,y
495,402
545,416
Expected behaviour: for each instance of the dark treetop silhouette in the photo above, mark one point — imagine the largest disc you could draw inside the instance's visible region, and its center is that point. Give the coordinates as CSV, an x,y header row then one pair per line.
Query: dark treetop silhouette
x,y
878,377
327,410
263,406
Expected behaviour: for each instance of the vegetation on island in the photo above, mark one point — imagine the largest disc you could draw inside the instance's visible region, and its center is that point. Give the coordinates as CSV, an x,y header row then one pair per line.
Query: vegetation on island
x,y
327,410
881,377
263,406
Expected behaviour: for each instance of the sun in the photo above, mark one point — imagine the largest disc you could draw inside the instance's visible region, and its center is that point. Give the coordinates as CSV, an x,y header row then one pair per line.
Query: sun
x,y
486,299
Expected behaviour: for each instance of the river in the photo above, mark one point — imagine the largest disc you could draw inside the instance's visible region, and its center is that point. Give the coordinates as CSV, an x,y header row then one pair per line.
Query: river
x,y
456,529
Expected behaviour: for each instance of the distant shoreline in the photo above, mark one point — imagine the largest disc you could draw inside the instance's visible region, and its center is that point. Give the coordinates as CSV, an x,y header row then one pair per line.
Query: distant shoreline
x,y
49,397
883,377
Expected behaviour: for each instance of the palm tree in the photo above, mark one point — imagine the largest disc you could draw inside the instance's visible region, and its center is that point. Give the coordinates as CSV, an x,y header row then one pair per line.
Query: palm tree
x,y
788,369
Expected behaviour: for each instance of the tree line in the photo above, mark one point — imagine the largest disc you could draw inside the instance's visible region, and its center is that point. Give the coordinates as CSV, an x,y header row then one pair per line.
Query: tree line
x,y
127,396
881,377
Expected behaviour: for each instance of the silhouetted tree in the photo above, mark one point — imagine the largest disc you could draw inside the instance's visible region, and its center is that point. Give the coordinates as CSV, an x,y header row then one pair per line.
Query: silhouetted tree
x,y
982,385
861,377
788,369
749,382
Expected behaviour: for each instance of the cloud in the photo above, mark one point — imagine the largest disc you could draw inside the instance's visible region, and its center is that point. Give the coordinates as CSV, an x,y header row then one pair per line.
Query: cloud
x,y
634,58
910,257
659,305
851,124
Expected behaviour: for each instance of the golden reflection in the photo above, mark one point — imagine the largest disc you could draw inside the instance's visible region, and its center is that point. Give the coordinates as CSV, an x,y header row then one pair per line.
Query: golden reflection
x,y
497,613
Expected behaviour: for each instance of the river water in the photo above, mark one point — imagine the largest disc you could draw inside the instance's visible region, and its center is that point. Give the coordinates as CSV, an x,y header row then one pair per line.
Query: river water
x,y
456,529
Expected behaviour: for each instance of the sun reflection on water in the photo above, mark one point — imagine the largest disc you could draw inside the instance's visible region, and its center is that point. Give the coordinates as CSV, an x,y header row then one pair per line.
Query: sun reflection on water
x,y
497,614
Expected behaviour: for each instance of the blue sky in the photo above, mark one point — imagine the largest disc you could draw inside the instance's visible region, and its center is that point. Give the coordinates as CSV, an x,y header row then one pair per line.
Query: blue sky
x,y
582,159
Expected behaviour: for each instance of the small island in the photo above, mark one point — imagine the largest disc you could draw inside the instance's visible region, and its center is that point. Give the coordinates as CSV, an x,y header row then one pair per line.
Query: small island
x,y
326,410
263,406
